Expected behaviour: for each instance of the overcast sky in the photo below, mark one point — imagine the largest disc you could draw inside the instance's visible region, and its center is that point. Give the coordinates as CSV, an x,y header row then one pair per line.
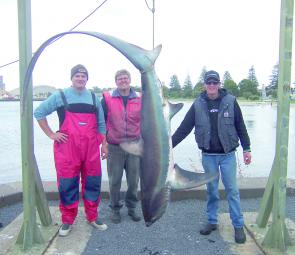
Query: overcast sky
x,y
225,35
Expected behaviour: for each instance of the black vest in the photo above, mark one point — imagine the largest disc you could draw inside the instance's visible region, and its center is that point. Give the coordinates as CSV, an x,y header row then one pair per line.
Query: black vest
x,y
227,132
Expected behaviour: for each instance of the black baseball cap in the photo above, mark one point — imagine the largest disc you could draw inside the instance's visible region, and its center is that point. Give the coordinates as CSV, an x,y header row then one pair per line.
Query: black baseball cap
x,y
211,76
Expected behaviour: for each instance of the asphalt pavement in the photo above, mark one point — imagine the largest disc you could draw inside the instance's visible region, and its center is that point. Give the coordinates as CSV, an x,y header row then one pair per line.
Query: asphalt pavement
x,y
176,233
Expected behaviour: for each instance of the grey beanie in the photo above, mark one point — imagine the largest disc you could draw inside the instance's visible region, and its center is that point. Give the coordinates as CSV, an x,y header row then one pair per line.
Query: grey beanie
x,y
79,69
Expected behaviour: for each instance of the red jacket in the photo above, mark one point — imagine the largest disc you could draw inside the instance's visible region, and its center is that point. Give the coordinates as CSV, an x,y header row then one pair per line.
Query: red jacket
x,y
123,123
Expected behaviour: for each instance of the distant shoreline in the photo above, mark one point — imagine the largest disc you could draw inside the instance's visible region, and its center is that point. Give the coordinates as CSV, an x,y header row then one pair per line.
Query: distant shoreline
x,y
17,100
241,101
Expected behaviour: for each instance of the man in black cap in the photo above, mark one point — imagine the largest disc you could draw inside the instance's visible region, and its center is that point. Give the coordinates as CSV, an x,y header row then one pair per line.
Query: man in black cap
x,y
219,125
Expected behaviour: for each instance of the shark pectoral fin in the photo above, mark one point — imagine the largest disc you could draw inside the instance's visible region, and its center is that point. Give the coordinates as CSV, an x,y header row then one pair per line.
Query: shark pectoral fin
x,y
133,147
183,179
174,108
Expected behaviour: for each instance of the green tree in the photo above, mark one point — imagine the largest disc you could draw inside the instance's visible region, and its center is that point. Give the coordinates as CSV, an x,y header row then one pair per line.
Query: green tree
x,y
226,76
137,88
247,88
165,91
231,87
96,90
252,77
202,75
247,94
175,88
198,89
272,88
187,87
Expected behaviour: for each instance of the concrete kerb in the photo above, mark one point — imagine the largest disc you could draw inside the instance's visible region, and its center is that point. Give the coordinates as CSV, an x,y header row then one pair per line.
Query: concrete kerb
x,y
11,193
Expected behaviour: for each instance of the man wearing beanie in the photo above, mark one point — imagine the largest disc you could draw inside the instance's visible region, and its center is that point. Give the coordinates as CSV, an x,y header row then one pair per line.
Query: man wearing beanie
x,y
76,148
219,126
79,69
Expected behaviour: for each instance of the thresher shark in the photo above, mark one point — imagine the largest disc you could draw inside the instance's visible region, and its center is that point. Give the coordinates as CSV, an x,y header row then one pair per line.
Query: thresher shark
x,y
158,173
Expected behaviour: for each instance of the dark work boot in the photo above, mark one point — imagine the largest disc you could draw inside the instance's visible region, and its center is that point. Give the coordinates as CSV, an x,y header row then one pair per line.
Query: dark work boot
x,y
133,215
240,236
115,216
208,229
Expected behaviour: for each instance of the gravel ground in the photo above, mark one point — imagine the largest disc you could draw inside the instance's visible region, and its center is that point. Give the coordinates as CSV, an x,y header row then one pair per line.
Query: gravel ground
x,y
176,233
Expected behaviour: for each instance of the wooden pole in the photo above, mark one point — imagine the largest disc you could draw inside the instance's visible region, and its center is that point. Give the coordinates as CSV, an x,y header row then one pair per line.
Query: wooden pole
x,y
274,198
29,233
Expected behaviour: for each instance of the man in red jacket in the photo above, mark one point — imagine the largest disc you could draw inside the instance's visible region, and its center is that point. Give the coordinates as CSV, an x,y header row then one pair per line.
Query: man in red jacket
x,y
122,111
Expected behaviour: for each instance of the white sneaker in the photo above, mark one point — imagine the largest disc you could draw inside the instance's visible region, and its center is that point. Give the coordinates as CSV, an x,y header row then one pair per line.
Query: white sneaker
x,y
99,225
65,229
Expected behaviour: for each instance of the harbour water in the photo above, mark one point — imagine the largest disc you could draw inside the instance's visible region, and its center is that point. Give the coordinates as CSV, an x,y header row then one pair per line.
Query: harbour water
x,y
260,120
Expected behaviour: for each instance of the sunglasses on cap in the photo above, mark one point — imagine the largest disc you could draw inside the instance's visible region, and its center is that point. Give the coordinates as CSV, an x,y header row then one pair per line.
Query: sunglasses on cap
x,y
212,83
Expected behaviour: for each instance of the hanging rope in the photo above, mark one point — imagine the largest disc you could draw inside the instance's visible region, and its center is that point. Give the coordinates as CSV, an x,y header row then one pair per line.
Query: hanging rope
x,y
90,14
79,23
153,11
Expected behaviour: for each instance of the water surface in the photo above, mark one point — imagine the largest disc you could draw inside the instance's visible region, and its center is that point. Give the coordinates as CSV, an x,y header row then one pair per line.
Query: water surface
x,y
260,120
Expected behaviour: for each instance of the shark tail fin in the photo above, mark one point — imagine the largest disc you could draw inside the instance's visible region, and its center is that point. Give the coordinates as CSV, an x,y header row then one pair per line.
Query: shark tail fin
x,y
133,147
174,108
187,180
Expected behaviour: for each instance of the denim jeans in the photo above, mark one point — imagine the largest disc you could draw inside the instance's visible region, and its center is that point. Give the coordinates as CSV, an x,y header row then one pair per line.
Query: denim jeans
x,y
117,161
226,164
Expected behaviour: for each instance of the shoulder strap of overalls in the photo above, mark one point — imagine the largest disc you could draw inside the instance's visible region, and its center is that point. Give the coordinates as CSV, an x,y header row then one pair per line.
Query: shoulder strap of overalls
x,y
94,100
64,100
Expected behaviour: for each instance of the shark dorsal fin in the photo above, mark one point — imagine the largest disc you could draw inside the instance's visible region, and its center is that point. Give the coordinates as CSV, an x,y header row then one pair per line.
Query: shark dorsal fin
x,y
153,54
174,108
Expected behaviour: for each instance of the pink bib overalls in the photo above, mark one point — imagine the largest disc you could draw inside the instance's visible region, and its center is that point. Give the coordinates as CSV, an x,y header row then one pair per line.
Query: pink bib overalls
x,y
79,156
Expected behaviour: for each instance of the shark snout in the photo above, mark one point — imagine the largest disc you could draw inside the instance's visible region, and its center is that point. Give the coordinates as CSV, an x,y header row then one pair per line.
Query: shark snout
x,y
155,206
